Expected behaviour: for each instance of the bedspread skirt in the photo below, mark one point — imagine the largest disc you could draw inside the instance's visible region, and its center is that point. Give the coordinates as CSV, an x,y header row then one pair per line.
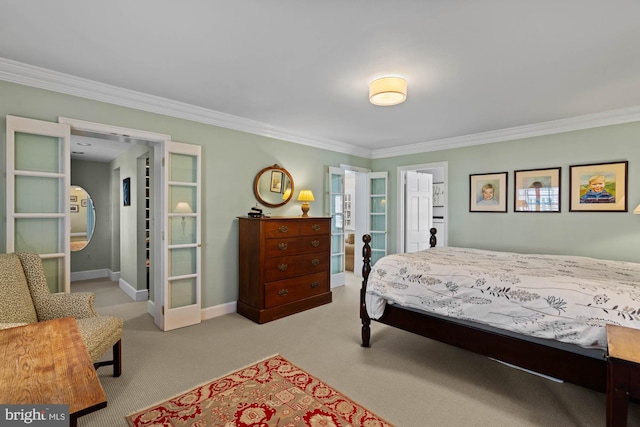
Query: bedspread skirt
x,y
564,298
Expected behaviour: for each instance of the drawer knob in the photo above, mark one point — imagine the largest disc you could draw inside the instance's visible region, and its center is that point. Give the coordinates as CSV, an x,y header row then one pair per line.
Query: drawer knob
x,y
315,284
283,229
283,292
283,267
315,227
315,262
283,246
315,243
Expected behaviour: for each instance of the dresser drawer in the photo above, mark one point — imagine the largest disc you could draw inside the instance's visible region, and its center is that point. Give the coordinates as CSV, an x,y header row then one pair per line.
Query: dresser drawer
x,y
296,245
275,228
319,226
296,265
290,290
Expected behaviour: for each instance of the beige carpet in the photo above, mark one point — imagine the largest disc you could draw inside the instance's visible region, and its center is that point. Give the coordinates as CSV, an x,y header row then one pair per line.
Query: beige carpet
x,y
406,379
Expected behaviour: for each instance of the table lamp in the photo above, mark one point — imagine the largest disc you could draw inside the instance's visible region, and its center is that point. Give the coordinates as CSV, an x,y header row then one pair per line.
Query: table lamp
x,y
305,197
183,207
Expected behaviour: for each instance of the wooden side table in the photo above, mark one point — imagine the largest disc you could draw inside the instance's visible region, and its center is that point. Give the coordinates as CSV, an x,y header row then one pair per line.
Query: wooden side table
x,y
623,372
48,363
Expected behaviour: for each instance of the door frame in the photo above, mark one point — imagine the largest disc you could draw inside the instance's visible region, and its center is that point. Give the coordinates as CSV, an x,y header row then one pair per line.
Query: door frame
x,y
157,141
440,167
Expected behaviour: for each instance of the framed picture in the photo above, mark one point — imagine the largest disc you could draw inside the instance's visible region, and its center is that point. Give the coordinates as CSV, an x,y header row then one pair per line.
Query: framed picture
x,y
488,192
438,194
537,190
74,208
126,192
73,198
276,181
600,187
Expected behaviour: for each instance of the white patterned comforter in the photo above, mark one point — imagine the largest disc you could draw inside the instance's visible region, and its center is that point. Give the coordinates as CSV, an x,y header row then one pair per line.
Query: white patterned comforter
x,y
564,298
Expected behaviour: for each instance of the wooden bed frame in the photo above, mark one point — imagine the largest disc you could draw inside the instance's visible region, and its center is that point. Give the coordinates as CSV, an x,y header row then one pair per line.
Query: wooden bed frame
x,y
561,364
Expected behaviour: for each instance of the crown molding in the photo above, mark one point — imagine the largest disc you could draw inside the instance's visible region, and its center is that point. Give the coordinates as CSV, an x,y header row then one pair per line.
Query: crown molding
x,y
29,75
588,121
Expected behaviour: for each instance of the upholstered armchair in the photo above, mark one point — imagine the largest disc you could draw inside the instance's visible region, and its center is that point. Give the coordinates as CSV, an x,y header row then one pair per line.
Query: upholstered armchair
x,y
25,298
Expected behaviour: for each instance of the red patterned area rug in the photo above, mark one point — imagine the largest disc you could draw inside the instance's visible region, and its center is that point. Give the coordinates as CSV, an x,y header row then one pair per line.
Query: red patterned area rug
x,y
273,392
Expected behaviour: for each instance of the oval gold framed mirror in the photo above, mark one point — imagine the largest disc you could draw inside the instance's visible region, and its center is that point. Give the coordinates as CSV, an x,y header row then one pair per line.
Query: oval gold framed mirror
x,y
273,186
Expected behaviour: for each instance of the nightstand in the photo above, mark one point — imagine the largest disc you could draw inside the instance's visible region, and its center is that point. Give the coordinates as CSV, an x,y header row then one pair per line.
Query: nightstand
x,y
623,372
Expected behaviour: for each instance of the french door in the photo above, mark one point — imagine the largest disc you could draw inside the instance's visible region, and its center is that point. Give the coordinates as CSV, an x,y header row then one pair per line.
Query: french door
x,y
181,237
377,224
336,203
38,170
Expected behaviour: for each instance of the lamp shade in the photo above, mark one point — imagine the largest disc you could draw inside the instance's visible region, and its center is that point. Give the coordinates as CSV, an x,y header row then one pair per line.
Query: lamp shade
x,y
287,194
388,91
305,196
183,207
637,210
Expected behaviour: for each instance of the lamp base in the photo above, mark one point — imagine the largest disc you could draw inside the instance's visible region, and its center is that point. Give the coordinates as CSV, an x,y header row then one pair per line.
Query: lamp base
x,y
305,209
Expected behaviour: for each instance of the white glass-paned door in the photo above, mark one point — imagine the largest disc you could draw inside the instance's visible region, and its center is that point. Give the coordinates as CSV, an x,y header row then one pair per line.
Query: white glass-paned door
x,y
181,237
38,179
336,203
378,214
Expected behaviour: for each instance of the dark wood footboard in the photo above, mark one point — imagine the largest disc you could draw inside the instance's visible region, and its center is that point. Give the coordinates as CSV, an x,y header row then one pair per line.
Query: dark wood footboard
x,y
565,365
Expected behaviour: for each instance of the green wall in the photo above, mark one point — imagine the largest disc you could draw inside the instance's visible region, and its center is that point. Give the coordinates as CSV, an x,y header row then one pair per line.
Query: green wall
x,y
232,158
230,161
610,235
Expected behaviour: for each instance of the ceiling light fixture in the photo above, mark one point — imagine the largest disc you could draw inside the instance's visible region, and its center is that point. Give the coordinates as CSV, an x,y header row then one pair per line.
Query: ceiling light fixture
x,y
388,91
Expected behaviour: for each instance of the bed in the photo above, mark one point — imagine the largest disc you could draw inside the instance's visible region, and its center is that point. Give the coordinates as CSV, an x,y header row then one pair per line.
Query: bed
x,y
515,308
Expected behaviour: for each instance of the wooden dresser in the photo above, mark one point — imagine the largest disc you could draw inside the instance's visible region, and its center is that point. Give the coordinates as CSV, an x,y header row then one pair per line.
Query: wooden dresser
x,y
284,266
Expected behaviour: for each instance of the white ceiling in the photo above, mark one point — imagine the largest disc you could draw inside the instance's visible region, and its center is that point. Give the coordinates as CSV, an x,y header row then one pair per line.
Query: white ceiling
x,y
300,69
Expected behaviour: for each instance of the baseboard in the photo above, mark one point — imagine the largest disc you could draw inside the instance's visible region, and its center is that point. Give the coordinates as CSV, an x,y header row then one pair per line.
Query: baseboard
x,y
94,274
219,310
132,292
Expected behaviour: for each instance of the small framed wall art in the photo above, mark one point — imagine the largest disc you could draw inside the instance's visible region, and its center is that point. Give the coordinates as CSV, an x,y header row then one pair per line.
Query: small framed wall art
x,y
537,190
599,187
488,192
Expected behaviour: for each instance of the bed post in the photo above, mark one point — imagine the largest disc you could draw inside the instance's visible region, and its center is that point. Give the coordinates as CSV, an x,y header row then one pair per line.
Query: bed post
x,y
366,269
432,239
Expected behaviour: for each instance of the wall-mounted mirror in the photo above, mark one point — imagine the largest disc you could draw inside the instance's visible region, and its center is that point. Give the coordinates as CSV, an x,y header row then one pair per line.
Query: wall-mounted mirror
x,y
83,218
273,186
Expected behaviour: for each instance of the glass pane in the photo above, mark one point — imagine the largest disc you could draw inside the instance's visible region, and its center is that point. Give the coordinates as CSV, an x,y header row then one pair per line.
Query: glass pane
x,y
182,199
378,223
336,223
336,244
377,241
182,261
182,230
37,195
182,168
336,264
378,204
53,272
375,256
37,153
41,236
182,292
337,184
378,186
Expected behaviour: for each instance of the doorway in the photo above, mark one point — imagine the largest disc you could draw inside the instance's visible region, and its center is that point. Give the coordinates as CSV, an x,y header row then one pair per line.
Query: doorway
x,y
439,174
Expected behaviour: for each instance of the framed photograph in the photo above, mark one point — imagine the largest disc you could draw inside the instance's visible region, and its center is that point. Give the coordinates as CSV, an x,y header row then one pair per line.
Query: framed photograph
x,y
537,190
276,181
600,187
126,192
438,194
74,209
83,203
73,198
488,192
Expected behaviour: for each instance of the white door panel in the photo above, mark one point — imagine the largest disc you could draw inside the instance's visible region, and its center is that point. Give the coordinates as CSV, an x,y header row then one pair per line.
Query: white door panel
x,y
419,210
